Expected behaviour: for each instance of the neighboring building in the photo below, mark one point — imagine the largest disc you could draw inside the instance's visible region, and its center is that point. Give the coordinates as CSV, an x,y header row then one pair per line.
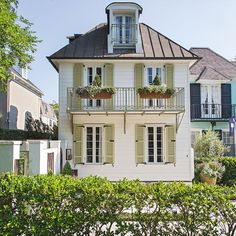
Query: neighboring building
x,y
47,114
125,136
21,101
213,95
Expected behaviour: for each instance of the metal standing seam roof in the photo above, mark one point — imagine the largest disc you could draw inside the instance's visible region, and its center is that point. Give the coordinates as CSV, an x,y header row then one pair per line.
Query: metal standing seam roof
x,y
212,65
93,45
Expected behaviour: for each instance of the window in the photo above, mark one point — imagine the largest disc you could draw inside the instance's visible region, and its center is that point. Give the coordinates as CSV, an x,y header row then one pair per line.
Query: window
x,y
124,30
91,73
151,73
93,144
227,139
155,144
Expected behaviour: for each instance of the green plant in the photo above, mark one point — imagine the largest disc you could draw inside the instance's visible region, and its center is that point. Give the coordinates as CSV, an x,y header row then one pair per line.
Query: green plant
x,y
97,82
67,170
212,169
157,89
209,146
157,80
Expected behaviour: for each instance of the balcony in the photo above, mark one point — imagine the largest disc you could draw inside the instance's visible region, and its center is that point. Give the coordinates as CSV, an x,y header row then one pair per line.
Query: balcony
x,y
212,112
125,100
124,35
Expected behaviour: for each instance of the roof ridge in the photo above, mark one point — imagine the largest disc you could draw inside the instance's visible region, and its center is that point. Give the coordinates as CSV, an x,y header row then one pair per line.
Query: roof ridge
x,y
170,40
217,54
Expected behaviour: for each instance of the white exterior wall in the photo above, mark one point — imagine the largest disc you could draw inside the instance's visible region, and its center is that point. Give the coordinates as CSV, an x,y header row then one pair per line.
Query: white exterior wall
x,y
23,101
125,165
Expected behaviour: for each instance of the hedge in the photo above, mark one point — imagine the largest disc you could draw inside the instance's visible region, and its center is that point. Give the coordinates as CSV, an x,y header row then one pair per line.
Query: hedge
x,y
229,177
61,205
7,134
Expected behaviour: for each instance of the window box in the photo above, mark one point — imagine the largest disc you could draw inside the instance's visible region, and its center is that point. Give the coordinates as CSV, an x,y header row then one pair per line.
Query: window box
x,y
93,92
154,91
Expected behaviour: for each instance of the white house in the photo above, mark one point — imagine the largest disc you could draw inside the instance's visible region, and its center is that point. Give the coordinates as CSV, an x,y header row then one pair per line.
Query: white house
x,y
47,114
126,136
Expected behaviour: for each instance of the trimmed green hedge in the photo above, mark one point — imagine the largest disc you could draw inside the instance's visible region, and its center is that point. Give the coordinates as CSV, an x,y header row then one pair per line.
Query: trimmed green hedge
x,y
229,177
7,134
61,205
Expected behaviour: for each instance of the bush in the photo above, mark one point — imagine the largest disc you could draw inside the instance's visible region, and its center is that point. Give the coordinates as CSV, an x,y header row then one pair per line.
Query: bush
x,y
209,146
62,205
7,134
229,177
67,169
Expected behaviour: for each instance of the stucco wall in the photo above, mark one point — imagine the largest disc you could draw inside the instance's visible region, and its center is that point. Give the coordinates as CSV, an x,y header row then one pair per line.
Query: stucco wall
x,y
21,101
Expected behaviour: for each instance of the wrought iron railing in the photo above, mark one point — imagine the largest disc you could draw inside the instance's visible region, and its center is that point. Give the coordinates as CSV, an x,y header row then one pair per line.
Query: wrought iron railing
x,y
124,34
212,111
125,99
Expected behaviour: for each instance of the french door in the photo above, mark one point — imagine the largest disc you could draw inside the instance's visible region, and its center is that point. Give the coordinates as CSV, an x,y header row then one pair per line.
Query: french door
x,y
210,101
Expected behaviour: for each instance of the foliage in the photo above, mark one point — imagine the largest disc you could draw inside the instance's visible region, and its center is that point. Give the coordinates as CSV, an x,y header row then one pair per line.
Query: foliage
x,y
17,40
62,205
97,82
67,170
91,91
209,145
212,169
40,127
156,89
7,134
229,176
55,108
157,80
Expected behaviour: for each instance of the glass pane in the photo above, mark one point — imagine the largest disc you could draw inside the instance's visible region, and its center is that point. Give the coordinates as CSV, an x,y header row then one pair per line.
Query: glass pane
x,y
98,144
89,144
159,141
90,75
150,144
158,72
99,71
128,29
150,75
118,29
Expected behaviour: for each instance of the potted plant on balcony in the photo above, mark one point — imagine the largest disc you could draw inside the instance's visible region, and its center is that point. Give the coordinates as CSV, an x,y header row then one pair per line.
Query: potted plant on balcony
x,y
156,90
96,91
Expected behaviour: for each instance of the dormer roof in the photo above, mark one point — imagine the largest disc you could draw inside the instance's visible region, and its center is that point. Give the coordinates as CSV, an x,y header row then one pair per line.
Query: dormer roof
x,y
123,5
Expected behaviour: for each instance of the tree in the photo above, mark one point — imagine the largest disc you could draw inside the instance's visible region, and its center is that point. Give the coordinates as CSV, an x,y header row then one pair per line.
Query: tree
x,y
17,40
55,108
209,145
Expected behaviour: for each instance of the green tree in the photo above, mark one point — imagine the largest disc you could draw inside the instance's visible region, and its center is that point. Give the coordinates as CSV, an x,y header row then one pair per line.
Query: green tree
x,y
17,40
209,145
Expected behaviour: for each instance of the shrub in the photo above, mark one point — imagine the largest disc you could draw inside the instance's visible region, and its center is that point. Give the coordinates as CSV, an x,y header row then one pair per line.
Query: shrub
x,y
209,145
62,205
229,176
67,170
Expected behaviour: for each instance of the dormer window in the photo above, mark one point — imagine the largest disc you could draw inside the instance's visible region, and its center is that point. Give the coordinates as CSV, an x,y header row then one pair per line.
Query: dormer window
x,y
124,31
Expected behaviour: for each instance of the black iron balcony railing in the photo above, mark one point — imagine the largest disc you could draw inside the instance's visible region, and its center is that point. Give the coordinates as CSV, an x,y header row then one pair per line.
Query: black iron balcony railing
x,y
125,99
124,34
212,111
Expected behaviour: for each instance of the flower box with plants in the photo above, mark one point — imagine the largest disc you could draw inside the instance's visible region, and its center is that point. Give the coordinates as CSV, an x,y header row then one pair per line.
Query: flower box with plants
x,y
95,90
156,90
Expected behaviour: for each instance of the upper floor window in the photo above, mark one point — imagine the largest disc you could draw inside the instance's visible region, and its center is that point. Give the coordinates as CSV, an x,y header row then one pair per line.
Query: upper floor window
x,y
92,72
152,72
124,30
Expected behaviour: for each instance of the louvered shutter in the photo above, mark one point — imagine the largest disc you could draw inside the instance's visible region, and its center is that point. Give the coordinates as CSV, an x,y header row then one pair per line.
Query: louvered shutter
x,y
138,82
109,82
78,144
139,143
195,101
170,133
169,69
109,157
226,101
77,82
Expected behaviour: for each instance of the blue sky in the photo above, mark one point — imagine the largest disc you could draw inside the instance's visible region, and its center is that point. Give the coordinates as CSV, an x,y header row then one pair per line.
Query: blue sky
x,y
191,23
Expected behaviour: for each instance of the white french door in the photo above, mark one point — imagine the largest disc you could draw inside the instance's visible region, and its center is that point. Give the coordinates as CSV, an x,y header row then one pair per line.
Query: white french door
x,y
211,101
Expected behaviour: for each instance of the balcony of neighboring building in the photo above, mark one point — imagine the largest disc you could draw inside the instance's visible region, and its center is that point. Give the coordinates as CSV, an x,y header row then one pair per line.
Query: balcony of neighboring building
x,y
126,100
212,112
